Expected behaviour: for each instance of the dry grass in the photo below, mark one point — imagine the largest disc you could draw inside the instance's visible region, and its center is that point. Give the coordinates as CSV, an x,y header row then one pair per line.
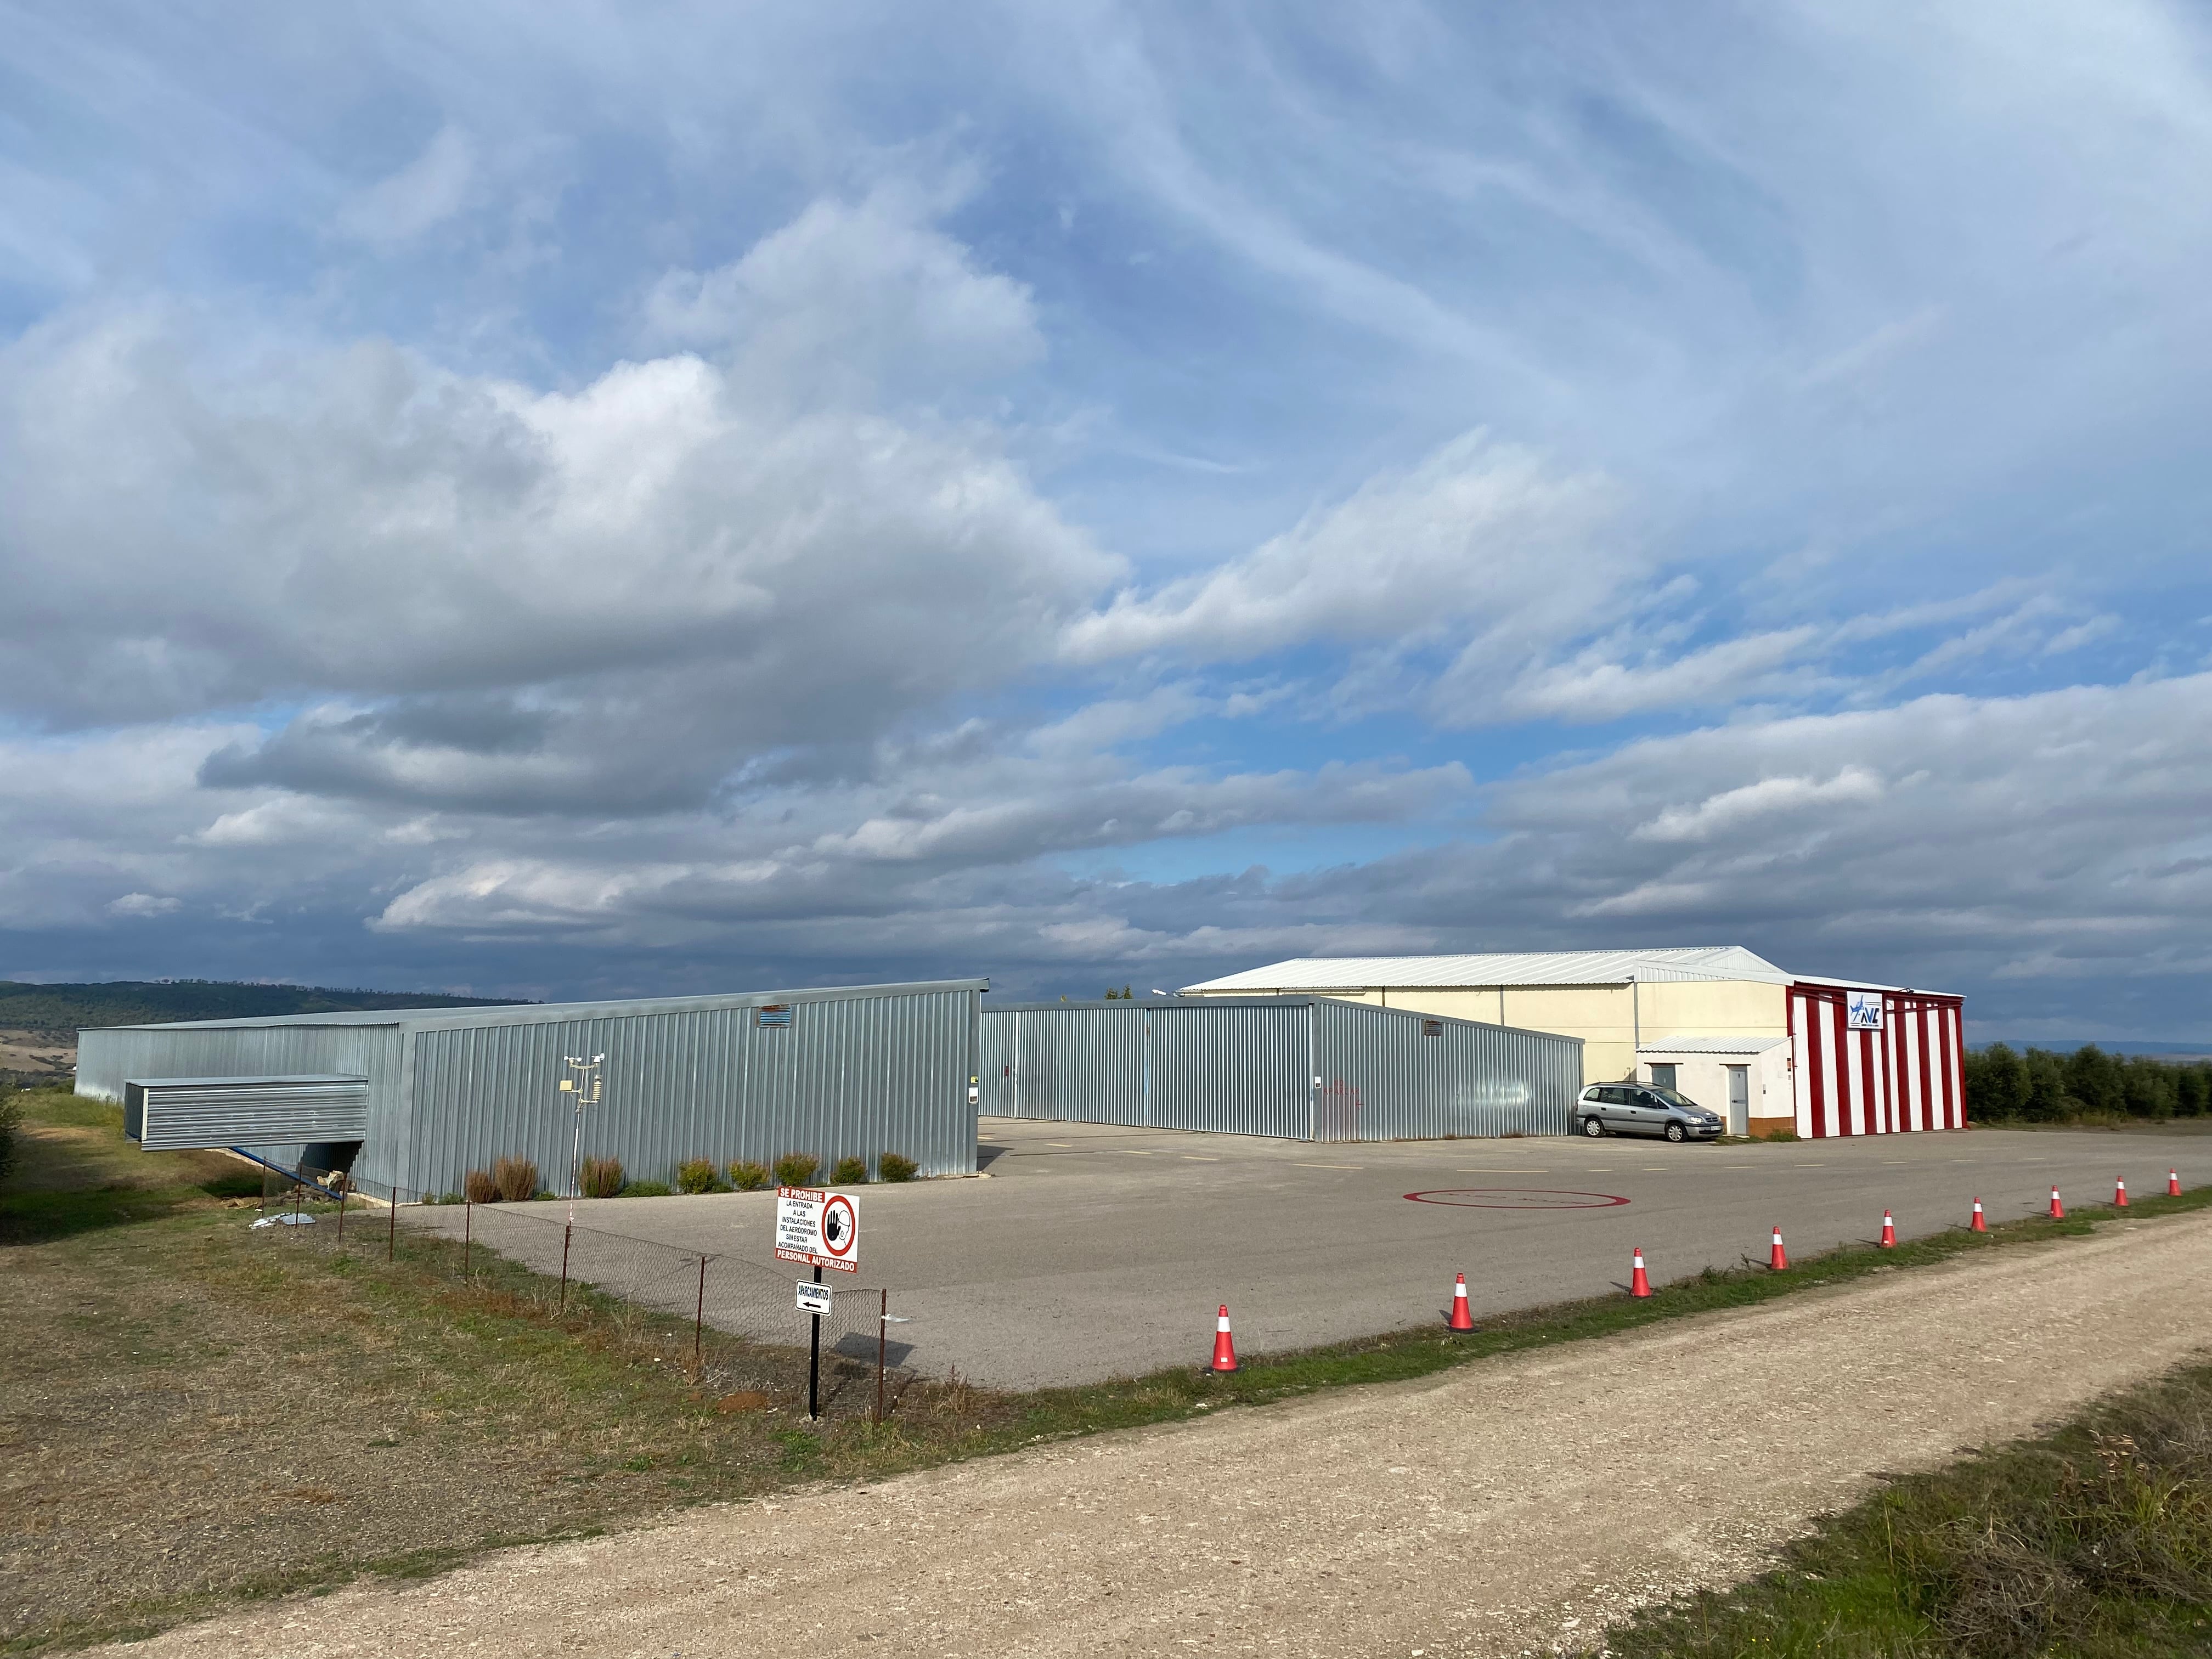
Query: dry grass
x,y
209,1412
600,1178
515,1179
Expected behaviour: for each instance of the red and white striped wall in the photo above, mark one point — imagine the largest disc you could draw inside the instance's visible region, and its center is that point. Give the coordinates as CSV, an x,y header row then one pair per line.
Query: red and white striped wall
x,y
1848,1080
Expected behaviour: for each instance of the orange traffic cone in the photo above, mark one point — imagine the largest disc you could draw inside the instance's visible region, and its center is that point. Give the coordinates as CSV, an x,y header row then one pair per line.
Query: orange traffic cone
x,y
2057,1209
2173,1184
1460,1319
1224,1350
1979,1225
2120,1193
1639,1283
1888,1232
1777,1257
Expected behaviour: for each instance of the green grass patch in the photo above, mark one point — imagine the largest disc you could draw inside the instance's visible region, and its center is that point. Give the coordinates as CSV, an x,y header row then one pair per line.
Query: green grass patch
x,y
2093,1541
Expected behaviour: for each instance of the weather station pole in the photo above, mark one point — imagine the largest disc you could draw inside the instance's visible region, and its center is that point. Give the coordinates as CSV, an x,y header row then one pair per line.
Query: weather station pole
x,y
583,1086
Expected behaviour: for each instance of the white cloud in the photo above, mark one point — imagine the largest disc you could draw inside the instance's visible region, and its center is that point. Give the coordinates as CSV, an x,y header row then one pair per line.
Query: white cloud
x,y
1479,537
622,590
422,195
143,904
1592,686
1732,809
862,296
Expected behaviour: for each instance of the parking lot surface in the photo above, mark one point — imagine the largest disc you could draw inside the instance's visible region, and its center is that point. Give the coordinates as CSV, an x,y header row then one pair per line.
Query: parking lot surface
x,y
1091,1252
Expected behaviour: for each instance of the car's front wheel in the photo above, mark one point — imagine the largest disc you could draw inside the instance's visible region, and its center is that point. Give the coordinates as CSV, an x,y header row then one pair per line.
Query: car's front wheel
x,y
1675,1131
1592,1127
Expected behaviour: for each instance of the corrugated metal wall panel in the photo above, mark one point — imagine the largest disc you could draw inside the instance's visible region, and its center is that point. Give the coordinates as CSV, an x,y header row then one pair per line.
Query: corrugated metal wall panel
x,y
1077,1062
1232,1070
864,1072
1248,1067
166,1115
850,1076
107,1059
1391,1075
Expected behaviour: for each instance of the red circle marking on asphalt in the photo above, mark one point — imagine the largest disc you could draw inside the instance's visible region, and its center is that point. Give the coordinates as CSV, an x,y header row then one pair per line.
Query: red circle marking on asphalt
x,y
1517,1198
838,1201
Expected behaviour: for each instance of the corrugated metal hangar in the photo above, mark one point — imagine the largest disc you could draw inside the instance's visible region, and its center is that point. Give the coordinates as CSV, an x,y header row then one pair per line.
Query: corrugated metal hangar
x,y
1781,1051
1296,1068
414,1099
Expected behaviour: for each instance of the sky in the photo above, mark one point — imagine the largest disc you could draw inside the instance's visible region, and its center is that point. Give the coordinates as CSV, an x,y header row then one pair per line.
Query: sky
x,y
563,500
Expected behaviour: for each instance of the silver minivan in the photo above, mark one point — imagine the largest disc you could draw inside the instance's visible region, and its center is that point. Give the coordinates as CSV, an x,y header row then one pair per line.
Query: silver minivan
x,y
1644,1108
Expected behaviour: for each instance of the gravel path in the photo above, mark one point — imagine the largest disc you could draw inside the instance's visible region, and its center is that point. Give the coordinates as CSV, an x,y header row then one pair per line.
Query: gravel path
x,y
1516,1504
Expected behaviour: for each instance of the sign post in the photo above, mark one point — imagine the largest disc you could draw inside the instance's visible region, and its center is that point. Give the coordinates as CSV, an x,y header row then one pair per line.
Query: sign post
x,y
820,1229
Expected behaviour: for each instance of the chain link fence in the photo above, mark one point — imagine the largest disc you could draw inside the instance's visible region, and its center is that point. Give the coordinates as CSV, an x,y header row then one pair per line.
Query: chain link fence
x,y
531,1252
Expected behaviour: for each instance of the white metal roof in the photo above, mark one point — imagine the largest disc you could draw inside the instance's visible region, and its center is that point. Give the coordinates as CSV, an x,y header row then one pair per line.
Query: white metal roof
x,y
1509,968
1711,1045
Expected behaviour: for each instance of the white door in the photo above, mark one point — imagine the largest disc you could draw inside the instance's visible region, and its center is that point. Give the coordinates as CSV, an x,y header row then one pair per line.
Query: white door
x,y
1739,1100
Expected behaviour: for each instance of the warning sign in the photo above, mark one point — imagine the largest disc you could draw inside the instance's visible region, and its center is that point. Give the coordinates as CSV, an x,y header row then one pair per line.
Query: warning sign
x,y
820,1229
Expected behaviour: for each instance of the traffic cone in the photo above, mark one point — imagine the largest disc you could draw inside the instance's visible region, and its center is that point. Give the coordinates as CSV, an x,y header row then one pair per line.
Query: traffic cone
x,y
2057,1209
1979,1225
2120,1193
1888,1232
1460,1320
1225,1350
1777,1257
1639,1283
2173,1184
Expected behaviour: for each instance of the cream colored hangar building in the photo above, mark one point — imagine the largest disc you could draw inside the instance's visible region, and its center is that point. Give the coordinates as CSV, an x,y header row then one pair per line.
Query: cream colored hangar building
x,y
1776,1051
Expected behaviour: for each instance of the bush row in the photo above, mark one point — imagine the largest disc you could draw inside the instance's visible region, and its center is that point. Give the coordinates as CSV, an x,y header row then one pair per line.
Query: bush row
x,y
513,1180
2043,1086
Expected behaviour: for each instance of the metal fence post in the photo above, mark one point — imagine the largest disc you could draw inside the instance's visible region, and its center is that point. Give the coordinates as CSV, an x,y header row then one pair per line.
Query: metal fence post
x,y
698,1323
814,1364
566,1233
883,1327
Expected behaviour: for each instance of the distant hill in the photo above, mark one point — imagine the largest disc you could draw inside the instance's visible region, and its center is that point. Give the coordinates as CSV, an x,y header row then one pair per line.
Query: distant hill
x,y
61,1010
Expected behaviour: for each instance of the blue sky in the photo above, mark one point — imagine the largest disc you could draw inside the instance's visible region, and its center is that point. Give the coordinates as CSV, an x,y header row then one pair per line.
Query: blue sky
x,y
562,499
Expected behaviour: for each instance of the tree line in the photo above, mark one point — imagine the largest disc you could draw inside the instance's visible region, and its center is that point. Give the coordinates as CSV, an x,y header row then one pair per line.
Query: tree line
x,y
2043,1086
62,1010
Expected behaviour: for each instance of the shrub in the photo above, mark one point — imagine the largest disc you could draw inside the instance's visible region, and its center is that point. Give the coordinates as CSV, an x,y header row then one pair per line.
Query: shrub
x,y
796,1169
748,1177
479,1188
889,1166
646,1190
599,1177
515,1177
697,1174
11,1120
849,1172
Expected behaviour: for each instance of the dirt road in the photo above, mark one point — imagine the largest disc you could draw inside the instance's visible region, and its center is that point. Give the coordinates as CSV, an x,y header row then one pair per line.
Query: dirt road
x,y
1516,1504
